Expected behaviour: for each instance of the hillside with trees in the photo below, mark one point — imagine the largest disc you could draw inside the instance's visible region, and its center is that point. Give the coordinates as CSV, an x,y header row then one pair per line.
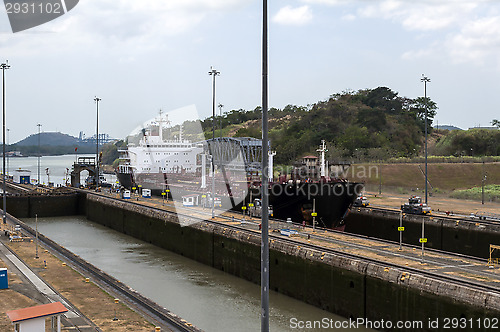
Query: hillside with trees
x,y
369,124
51,143
472,142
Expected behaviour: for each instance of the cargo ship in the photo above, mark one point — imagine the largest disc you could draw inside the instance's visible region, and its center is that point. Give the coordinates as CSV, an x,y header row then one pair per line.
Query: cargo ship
x,y
180,168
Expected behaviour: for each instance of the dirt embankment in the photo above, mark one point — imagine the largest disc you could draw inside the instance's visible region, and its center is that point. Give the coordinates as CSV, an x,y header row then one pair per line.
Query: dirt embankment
x,y
444,177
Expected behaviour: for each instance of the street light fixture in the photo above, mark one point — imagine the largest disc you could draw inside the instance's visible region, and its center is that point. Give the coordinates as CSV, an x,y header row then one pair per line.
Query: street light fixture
x,y
4,66
213,73
425,80
97,100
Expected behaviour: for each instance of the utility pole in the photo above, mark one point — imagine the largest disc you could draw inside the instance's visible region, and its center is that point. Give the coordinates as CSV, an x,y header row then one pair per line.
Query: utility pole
x,y
36,232
425,80
220,119
380,179
4,66
8,132
483,180
264,263
39,155
213,73
97,100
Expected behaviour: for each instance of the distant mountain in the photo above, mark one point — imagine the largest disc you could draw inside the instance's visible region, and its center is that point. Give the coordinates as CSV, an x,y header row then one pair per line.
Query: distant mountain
x,y
54,143
447,127
49,139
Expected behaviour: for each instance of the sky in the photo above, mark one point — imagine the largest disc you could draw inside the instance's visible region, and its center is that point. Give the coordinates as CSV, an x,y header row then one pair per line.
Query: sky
x,y
142,56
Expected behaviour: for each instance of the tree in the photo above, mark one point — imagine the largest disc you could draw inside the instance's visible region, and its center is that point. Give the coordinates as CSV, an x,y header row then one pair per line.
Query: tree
x,y
385,99
419,108
495,123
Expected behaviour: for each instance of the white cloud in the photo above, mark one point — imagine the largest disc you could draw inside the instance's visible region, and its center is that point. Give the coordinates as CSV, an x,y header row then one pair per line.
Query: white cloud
x,y
328,2
113,24
477,41
420,15
410,55
293,16
349,17
460,30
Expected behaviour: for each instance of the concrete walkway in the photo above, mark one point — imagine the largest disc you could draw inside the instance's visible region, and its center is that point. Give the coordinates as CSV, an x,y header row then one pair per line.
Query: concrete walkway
x,y
72,320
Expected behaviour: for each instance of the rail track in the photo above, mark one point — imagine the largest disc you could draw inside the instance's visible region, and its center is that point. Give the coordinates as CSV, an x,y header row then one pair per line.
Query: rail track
x,y
148,307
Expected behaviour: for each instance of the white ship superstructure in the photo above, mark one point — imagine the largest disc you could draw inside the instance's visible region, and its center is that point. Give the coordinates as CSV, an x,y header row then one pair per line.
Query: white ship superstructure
x,y
154,155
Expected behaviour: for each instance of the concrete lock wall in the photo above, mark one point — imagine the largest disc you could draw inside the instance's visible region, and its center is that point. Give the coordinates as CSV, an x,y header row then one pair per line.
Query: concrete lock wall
x,y
27,206
345,286
464,237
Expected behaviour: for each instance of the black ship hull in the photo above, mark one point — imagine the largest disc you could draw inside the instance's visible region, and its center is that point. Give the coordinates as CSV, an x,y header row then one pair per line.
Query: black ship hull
x,y
331,201
126,180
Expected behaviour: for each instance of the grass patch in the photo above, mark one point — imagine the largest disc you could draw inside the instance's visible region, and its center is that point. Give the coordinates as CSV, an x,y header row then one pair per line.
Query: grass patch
x,y
491,193
402,191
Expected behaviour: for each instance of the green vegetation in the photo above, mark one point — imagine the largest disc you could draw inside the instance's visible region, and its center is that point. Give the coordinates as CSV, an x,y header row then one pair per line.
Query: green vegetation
x,y
48,138
469,143
491,193
110,152
366,125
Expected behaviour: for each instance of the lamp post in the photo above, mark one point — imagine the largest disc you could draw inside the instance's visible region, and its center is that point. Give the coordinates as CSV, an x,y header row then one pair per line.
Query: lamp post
x,y
425,80
36,233
4,66
39,126
483,180
8,132
264,262
213,73
220,119
97,100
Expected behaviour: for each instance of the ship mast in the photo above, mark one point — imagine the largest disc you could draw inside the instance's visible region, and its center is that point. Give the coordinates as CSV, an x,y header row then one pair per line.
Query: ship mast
x,y
271,165
322,149
160,121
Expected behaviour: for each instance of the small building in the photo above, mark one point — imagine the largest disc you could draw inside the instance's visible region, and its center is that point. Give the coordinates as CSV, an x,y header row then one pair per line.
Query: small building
x,y
306,167
191,200
22,176
32,319
311,162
